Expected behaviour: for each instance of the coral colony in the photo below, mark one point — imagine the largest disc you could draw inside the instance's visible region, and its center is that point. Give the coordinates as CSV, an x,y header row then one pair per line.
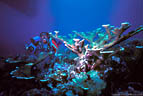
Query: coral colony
x,y
80,64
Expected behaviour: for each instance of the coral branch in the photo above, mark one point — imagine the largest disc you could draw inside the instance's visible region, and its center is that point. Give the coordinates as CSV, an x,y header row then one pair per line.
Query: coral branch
x,y
130,34
56,33
108,30
116,31
77,48
82,37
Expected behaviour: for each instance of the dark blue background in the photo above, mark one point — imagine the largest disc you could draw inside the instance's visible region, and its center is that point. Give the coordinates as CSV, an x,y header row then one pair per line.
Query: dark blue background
x,y
22,19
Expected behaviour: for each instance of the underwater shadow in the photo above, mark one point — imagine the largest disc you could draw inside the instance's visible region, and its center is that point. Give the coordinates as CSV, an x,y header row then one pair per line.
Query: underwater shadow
x,y
27,7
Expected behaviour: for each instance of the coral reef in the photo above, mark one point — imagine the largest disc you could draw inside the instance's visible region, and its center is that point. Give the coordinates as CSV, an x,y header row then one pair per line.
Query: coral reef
x,y
93,63
95,52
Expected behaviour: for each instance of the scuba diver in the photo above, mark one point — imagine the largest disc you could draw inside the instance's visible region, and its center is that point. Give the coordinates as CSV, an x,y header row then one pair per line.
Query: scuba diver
x,y
46,43
43,43
42,46
42,53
